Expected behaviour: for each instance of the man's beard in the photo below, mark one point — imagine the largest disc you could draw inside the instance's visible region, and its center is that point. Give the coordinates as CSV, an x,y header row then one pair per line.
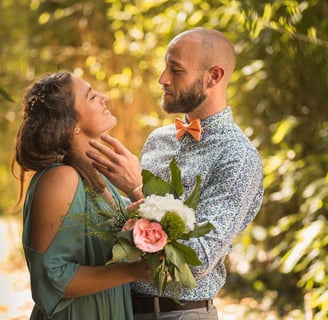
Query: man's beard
x,y
187,100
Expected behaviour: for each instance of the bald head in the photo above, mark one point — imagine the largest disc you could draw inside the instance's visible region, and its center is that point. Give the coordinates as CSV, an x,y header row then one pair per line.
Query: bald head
x,y
213,48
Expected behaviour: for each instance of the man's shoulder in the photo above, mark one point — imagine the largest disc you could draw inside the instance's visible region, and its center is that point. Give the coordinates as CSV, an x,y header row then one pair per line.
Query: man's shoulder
x,y
167,129
164,133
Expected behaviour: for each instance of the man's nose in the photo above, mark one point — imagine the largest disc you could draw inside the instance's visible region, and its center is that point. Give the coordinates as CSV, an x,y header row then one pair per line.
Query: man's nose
x,y
164,79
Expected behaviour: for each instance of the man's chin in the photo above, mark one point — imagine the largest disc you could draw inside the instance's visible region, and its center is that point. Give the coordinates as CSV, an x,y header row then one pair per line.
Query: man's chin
x,y
169,110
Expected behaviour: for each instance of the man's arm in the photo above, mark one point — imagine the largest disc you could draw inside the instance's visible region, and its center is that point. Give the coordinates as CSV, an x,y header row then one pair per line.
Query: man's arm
x,y
231,198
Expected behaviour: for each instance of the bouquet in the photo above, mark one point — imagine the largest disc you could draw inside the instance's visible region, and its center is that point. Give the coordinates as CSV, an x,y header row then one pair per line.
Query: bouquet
x,y
154,231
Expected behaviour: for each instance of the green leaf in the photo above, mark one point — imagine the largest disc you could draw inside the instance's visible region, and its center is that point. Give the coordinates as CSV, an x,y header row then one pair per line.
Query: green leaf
x,y
185,277
158,186
5,94
176,182
155,185
193,198
174,255
199,231
153,261
182,271
118,253
189,254
125,235
305,238
285,126
146,176
267,12
124,250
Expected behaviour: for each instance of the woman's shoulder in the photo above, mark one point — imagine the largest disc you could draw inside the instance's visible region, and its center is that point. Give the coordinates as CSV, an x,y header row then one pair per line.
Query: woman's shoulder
x,y
60,175
57,182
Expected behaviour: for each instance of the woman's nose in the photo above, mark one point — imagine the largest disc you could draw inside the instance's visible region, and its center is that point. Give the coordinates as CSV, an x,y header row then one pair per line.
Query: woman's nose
x,y
104,98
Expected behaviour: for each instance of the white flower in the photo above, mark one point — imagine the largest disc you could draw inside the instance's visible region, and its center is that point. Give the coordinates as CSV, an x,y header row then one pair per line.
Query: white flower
x,y
154,208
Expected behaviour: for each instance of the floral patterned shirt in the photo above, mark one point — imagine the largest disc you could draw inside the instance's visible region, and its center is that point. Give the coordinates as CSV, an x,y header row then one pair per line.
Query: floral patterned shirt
x,y
231,191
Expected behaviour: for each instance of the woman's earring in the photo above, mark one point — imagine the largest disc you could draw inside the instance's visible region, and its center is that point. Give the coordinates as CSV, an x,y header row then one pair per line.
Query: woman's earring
x,y
76,130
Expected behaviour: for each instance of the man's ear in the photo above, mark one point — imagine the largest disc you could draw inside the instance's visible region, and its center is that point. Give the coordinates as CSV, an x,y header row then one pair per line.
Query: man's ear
x,y
216,74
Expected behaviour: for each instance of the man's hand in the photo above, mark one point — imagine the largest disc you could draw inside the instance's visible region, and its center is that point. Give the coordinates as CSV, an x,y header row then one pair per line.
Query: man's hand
x,y
118,164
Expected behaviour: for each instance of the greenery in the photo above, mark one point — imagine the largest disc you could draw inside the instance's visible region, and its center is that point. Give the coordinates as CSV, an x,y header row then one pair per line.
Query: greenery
x,y
278,94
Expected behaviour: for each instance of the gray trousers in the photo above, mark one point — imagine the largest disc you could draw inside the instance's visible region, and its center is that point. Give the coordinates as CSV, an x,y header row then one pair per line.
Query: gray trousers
x,y
192,314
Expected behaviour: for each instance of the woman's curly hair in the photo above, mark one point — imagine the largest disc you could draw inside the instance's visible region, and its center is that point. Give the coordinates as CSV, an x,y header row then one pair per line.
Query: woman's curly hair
x,y
45,134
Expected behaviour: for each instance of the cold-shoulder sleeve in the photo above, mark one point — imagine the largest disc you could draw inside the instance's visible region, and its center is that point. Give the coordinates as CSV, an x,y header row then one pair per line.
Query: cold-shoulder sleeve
x,y
52,271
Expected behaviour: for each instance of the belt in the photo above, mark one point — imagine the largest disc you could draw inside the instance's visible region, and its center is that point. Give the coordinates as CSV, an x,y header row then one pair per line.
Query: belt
x,y
149,304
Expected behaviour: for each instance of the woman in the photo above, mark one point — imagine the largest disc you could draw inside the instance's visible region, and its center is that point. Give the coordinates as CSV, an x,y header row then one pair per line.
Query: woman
x,y
69,278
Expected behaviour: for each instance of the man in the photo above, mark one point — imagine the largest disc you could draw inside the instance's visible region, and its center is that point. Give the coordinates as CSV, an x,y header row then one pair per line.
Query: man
x,y
199,65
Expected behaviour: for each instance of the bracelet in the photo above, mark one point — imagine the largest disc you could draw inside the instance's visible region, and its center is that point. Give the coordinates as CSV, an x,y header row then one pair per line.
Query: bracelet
x,y
134,190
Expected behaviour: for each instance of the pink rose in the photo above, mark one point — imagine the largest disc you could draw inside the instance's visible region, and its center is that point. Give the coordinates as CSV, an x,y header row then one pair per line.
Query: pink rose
x,y
129,225
149,236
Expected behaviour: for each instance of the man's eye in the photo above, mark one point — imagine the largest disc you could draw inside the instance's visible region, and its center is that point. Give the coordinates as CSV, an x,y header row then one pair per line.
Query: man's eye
x,y
176,70
93,97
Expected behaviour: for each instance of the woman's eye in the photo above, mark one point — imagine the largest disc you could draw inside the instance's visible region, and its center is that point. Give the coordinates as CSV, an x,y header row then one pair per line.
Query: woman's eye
x,y
93,97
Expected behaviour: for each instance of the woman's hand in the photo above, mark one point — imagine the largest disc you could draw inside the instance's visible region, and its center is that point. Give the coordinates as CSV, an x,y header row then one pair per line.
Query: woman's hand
x,y
141,271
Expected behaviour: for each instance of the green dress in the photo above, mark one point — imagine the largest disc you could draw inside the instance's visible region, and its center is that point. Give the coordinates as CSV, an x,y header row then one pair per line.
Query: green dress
x,y
51,272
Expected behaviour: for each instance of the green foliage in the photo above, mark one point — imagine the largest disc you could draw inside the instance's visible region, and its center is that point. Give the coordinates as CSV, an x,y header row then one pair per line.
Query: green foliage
x,y
124,249
5,94
176,178
156,185
104,224
182,273
199,231
188,254
193,198
152,184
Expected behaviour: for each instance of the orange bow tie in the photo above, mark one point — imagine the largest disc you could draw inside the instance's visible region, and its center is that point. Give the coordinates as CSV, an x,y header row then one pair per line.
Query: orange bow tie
x,y
193,128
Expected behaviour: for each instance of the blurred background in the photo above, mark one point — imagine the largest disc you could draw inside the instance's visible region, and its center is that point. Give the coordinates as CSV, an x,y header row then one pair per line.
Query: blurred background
x,y
279,96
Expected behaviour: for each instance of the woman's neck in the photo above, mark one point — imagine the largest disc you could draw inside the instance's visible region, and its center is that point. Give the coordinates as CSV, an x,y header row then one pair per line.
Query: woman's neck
x,y
80,146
